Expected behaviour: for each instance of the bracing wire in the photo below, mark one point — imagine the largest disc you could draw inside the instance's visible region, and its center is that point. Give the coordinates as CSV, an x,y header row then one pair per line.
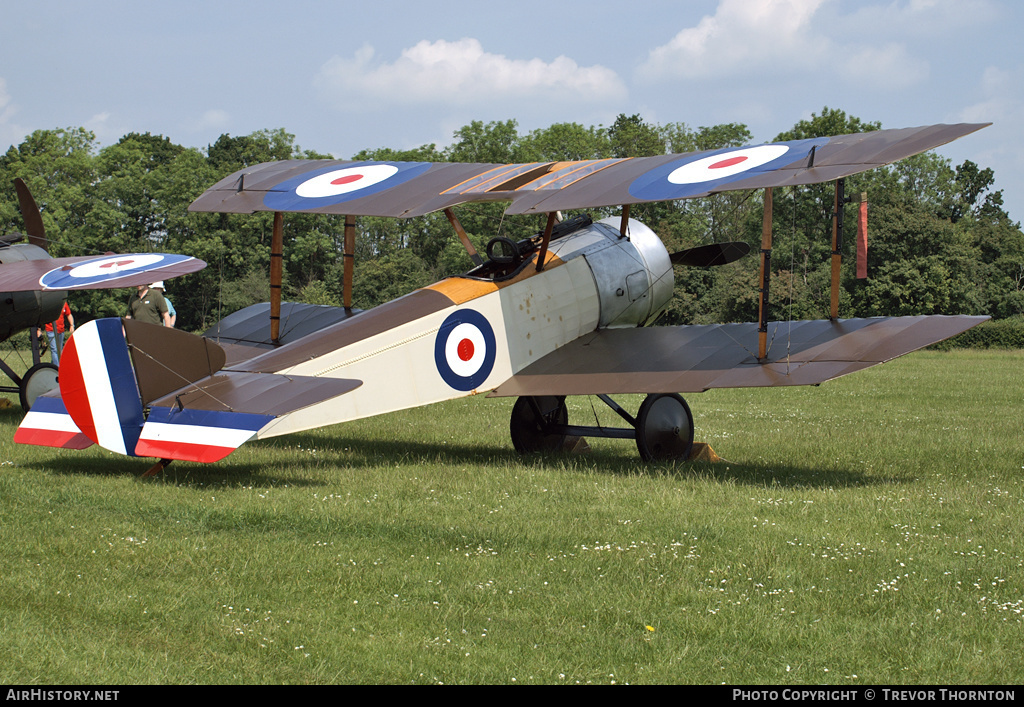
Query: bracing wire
x,y
193,388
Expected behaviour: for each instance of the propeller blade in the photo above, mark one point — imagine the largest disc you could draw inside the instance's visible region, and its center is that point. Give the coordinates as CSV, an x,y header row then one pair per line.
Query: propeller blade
x,y
705,256
30,212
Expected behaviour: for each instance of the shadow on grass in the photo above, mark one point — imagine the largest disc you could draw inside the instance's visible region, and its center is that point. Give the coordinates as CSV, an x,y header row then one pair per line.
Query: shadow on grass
x,y
180,473
619,459
293,453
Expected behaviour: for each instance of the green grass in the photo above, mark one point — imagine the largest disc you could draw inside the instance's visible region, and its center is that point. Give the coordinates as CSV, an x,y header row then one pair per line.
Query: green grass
x,y
866,531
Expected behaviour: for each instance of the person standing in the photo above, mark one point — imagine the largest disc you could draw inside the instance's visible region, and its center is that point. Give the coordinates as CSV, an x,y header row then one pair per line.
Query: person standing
x,y
170,305
55,332
148,305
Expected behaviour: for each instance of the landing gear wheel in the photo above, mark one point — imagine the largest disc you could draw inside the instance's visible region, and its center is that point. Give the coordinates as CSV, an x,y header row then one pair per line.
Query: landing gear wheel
x,y
41,378
664,428
530,416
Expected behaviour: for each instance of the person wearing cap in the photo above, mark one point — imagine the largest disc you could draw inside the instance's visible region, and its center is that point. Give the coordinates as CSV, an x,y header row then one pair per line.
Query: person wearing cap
x,y
148,305
170,307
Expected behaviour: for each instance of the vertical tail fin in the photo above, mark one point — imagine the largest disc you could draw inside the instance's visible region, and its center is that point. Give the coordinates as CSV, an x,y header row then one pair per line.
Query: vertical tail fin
x,y
98,386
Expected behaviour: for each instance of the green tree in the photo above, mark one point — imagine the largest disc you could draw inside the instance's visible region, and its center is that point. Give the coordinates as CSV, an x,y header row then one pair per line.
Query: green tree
x,y
388,277
565,141
630,136
918,264
229,154
495,142
424,153
129,215
59,169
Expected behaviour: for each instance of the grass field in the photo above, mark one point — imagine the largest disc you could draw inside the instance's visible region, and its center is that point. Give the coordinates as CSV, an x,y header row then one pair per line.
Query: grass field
x,y
864,532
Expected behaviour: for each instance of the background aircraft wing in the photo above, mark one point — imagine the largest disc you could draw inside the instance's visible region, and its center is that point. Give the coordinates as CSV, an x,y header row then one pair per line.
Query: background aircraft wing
x,y
101,272
688,359
406,189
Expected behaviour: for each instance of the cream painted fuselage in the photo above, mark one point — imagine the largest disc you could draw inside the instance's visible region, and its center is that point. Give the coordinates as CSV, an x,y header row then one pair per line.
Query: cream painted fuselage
x,y
466,335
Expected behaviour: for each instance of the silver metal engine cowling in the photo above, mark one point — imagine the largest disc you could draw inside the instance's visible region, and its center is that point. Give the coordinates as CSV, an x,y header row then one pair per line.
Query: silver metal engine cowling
x,y
633,275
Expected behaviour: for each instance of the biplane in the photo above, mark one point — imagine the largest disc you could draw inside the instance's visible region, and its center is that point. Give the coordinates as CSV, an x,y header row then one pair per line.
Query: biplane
x,y
37,285
562,313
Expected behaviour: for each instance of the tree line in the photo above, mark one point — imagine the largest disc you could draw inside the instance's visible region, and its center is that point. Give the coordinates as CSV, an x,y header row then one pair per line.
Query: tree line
x,y
940,240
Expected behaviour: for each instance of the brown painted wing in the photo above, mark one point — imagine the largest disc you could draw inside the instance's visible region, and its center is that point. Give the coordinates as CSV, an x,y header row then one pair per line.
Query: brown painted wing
x,y
406,189
688,359
103,272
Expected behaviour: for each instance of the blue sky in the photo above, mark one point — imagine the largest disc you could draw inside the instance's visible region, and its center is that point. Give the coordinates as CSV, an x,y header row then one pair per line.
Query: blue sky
x,y
344,76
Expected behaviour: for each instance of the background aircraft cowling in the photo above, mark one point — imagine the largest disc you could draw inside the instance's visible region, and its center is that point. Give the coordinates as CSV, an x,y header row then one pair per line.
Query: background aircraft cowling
x,y
24,310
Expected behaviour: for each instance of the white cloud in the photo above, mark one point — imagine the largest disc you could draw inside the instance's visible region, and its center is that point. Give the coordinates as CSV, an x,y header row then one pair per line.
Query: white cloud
x,y
100,125
213,119
1000,98
867,47
919,18
458,72
9,132
741,36
889,66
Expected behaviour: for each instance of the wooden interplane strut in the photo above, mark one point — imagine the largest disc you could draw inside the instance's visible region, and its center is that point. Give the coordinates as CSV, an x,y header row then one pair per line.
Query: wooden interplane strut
x,y
463,237
276,274
837,244
766,274
552,217
349,255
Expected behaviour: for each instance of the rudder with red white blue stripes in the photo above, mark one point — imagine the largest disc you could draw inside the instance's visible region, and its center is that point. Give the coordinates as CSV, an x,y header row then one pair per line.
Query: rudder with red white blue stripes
x,y
98,387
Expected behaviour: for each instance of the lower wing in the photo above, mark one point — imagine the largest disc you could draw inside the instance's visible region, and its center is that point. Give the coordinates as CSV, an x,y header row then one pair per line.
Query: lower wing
x,y
700,357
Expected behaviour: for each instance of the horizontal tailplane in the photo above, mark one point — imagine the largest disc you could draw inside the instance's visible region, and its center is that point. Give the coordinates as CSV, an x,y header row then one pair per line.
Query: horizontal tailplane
x,y
162,393
48,424
196,435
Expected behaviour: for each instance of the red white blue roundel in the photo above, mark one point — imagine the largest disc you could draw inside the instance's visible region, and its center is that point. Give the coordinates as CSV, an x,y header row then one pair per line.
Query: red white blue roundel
x,y
694,175
334,185
107,268
464,349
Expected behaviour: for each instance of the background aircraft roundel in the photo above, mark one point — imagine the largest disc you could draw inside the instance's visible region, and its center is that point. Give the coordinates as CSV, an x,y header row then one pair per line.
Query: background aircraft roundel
x,y
696,174
109,269
326,187
465,349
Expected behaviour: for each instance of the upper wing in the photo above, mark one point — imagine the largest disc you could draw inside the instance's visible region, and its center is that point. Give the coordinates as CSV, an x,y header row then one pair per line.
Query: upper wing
x,y
688,359
405,189
95,272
